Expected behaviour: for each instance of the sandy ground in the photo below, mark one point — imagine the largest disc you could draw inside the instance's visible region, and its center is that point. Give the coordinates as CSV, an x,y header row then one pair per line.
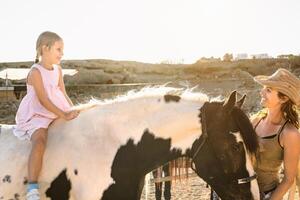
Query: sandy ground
x,y
192,189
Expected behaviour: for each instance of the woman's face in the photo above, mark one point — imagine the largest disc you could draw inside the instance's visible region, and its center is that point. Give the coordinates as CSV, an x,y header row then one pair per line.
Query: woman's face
x,y
269,98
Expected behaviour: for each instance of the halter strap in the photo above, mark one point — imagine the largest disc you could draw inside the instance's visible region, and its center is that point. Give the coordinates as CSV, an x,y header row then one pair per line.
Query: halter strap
x,y
204,136
247,179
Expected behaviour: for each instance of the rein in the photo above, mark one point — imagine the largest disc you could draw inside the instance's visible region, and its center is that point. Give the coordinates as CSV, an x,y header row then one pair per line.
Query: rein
x,y
204,139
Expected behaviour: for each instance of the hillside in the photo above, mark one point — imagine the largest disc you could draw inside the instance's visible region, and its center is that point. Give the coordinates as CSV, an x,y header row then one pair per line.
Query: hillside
x,y
213,78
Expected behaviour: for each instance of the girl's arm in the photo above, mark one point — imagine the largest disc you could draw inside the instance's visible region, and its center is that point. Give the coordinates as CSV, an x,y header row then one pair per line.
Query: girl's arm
x,y
291,144
35,79
61,85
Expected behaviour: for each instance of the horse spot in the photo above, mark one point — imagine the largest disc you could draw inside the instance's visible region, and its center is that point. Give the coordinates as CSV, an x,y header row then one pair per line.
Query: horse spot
x,y
158,100
76,172
17,196
25,181
169,98
6,178
134,160
2,197
60,187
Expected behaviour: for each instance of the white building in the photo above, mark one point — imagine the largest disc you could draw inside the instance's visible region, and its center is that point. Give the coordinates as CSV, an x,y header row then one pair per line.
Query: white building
x,y
260,56
241,56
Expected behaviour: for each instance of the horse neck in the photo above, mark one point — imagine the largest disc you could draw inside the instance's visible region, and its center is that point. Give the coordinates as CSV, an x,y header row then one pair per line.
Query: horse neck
x,y
175,120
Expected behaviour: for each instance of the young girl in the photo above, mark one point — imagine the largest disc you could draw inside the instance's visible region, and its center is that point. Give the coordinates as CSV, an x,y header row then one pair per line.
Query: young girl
x,y
278,133
46,100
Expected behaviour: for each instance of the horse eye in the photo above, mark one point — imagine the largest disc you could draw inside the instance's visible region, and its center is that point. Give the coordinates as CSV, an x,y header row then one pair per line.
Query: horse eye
x,y
236,147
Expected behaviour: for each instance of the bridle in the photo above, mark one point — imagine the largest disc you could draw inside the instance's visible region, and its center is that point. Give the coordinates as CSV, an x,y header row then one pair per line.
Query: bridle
x,y
204,137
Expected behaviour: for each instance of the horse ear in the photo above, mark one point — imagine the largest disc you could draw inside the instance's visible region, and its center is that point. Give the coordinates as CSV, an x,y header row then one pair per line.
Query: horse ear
x,y
240,102
231,101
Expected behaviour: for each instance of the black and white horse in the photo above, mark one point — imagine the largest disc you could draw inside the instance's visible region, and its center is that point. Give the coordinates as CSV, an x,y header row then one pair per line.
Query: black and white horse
x,y
106,152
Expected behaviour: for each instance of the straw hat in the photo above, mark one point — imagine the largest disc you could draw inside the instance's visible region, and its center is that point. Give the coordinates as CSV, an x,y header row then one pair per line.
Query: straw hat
x,y
283,81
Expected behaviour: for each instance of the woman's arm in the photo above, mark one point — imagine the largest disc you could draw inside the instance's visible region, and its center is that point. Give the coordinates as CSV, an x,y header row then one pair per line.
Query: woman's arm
x,y
35,79
61,85
291,144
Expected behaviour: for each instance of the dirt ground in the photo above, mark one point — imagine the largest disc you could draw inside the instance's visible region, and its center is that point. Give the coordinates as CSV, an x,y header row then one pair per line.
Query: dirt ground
x,y
192,189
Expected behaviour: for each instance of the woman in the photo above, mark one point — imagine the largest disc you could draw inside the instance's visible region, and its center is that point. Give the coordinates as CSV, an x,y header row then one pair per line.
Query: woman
x,y
277,129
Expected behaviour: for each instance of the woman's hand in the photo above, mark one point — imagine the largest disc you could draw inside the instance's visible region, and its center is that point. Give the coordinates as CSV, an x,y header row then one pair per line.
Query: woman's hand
x,y
71,115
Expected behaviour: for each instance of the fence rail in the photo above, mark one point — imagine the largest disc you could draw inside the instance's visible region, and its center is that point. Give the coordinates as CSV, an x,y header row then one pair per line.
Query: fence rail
x,y
173,178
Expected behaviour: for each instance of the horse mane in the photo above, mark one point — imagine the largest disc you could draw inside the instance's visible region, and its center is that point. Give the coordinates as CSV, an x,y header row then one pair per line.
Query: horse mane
x,y
148,91
246,129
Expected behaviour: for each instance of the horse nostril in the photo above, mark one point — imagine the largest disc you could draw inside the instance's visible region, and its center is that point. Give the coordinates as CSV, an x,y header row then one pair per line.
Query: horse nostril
x,y
222,157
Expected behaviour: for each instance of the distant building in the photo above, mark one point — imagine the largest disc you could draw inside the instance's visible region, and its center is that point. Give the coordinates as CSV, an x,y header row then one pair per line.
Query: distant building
x,y
285,56
241,56
173,61
260,56
208,60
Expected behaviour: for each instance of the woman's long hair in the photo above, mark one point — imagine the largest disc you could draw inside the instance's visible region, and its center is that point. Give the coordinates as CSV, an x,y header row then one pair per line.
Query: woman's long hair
x,y
289,110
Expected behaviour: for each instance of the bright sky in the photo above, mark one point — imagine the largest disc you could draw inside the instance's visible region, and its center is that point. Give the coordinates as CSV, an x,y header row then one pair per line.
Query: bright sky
x,y
151,30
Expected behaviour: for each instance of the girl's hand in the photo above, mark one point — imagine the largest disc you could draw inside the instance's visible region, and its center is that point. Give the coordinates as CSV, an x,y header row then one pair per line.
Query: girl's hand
x,y
71,115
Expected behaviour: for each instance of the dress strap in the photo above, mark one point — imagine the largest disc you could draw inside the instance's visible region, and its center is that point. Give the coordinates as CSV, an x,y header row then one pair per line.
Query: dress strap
x,y
257,123
282,127
280,131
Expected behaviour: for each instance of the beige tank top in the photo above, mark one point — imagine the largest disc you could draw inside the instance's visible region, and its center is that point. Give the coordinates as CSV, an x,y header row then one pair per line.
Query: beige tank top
x,y
269,159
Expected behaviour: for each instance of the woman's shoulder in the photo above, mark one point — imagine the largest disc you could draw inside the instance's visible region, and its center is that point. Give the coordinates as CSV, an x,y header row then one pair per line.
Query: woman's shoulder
x,y
290,133
290,129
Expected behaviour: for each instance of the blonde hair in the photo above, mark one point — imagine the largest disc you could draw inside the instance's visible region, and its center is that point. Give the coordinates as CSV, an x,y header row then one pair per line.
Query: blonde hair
x,y
290,111
47,39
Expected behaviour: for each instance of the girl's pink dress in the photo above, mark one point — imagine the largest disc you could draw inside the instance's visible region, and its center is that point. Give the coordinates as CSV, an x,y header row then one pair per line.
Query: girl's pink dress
x,y
31,115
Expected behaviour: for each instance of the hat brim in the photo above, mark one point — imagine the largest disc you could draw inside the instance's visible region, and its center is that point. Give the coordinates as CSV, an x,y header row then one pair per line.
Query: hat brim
x,y
264,80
